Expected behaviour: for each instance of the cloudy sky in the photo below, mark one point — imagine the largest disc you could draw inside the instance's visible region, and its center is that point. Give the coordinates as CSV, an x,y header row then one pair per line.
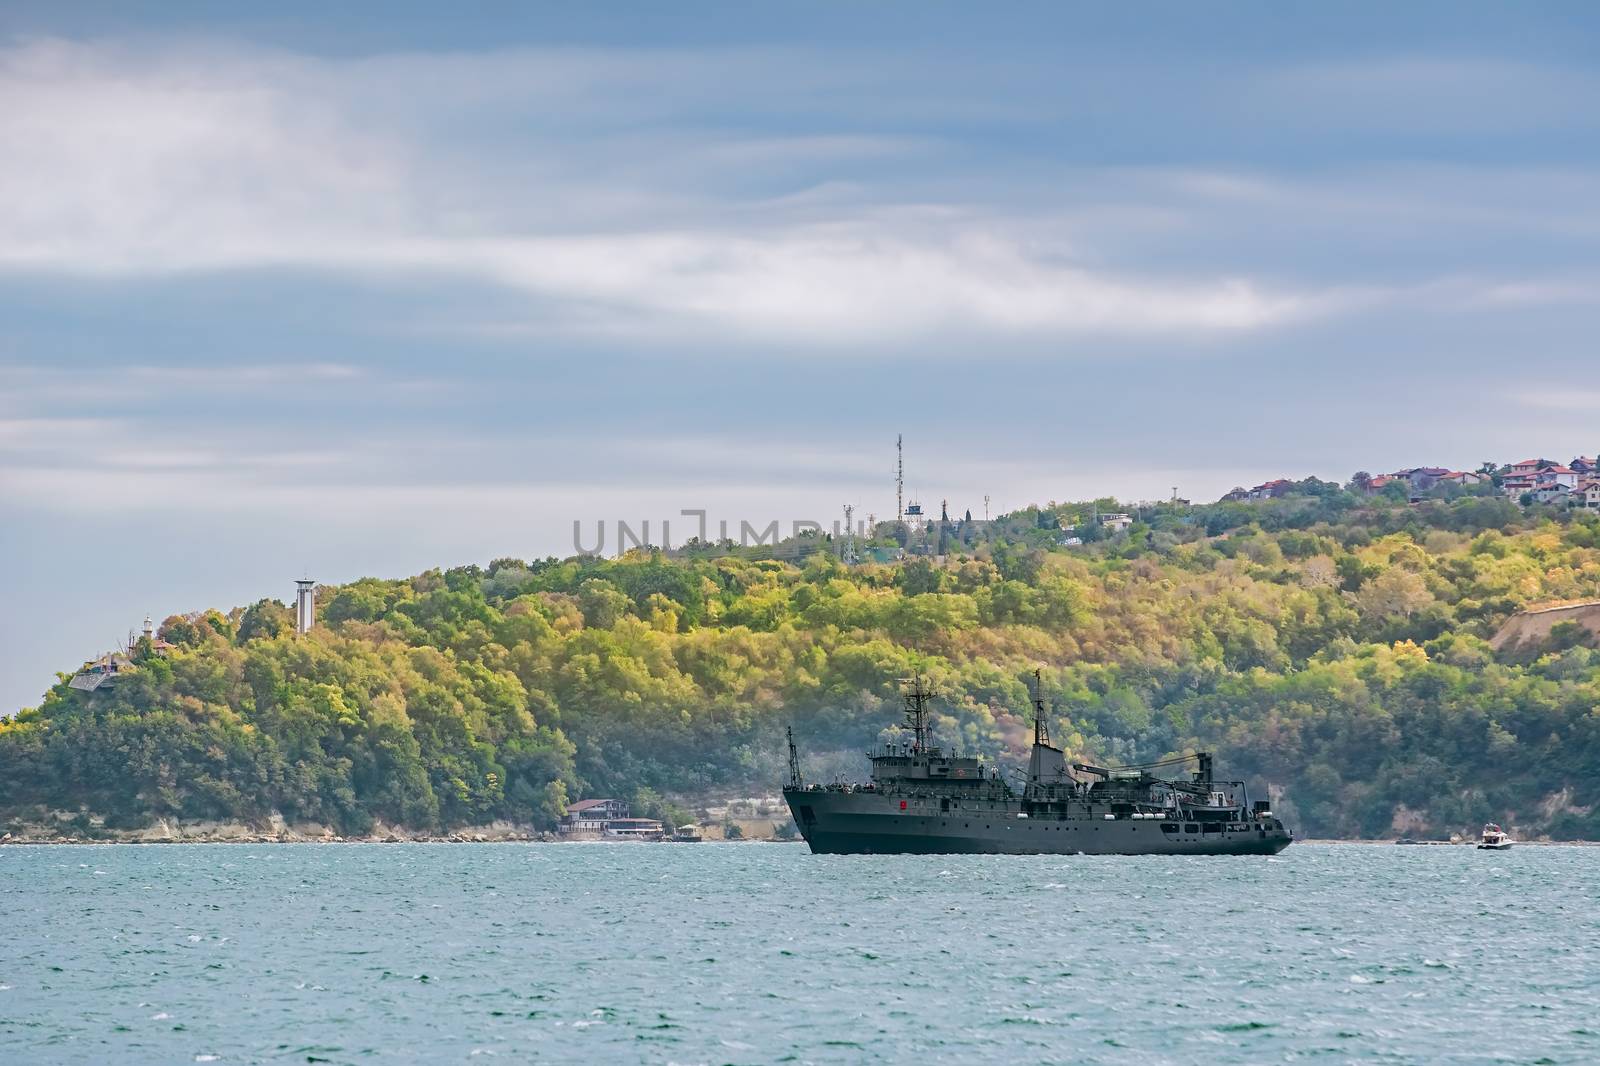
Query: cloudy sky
x,y
291,293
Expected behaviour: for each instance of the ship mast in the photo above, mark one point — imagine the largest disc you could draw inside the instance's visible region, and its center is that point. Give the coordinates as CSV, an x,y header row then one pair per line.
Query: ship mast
x,y
1041,728
794,760
917,710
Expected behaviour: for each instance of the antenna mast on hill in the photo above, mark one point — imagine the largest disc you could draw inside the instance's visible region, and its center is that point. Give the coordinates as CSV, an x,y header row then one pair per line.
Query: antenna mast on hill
x,y
849,535
899,480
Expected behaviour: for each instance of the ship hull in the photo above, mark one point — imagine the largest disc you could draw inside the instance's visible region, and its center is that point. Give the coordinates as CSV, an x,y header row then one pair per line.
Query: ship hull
x,y
868,823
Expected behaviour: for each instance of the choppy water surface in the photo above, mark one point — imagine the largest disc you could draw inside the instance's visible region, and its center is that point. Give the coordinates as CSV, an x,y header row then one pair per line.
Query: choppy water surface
x,y
764,953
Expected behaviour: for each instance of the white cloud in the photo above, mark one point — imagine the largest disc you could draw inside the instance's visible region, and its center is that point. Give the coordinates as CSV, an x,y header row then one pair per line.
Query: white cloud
x,y
186,161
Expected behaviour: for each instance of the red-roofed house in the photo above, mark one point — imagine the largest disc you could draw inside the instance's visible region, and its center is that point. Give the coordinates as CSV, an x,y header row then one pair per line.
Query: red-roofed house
x,y
1517,484
1524,476
1564,476
1272,489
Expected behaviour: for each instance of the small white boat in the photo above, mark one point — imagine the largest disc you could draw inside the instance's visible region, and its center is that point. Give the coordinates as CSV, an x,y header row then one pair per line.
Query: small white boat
x,y
1494,839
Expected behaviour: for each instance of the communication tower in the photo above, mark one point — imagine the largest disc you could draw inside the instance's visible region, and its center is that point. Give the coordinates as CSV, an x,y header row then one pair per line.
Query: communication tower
x,y
899,479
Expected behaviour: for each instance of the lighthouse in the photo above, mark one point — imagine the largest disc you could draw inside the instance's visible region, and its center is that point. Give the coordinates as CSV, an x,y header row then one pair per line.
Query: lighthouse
x,y
305,605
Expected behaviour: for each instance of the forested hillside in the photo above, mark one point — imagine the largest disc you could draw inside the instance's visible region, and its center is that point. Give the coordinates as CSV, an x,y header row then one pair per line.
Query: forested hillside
x,y
1332,648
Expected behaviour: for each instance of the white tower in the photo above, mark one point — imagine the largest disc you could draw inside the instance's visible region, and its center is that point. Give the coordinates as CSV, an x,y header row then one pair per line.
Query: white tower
x,y
305,605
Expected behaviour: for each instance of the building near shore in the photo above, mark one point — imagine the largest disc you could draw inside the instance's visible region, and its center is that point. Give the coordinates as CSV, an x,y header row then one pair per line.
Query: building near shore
x,y
591,816
607,819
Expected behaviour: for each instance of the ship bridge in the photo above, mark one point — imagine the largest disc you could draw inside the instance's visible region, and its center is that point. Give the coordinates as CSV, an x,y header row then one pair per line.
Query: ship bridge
x,y
903,764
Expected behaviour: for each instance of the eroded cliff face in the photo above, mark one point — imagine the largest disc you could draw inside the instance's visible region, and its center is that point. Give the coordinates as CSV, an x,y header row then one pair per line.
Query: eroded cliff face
x,y
1534,625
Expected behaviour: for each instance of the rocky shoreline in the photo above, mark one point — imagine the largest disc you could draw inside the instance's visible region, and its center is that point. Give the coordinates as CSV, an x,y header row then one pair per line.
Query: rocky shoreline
x,y
276,831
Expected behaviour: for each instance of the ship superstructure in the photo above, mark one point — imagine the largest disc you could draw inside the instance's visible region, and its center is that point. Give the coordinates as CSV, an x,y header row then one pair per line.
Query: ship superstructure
x,y
920,799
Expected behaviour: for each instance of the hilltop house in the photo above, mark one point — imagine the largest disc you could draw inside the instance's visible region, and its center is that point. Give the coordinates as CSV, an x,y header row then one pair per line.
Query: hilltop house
x,y
157,645
1586,495
1422,478
101,671
1419,479
1270,490
1541,482
1544,480
1550,492
1522,477
106,669
1515,485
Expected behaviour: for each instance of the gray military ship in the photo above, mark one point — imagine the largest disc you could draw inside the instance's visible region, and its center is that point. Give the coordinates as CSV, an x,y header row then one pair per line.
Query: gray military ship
x,y
921,800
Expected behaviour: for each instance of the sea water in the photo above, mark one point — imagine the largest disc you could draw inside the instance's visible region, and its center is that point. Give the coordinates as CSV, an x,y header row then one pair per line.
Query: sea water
x,y
751,953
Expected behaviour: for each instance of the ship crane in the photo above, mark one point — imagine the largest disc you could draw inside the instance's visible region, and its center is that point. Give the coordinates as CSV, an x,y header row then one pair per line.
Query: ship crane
x,y
1201,774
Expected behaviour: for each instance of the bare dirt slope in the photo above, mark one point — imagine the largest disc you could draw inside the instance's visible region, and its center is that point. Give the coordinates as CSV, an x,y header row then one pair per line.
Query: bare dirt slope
x,y
1535,624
